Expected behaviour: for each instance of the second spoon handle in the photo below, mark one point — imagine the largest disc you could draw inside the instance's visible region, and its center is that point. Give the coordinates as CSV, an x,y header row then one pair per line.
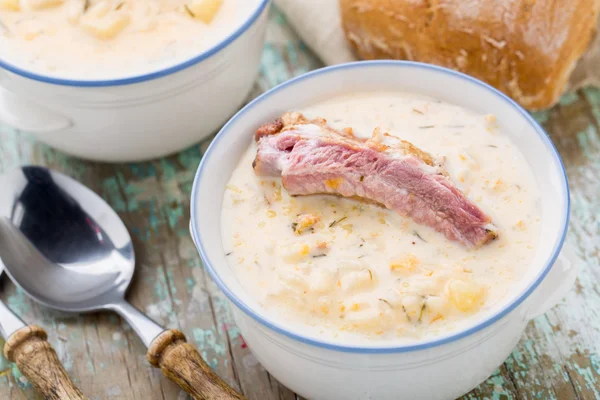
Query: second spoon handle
x,y
178,360
181,363
36,359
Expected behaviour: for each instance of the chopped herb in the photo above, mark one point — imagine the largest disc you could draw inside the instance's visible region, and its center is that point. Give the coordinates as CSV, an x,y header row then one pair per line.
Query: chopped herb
x,y
228,254
419,236
406,313
362,178
319,255
294,226
370,273
119,5
427,127
334,223
189,11
423,306
386,302
86,5
414,242
417,111
267,200
363,256
493,146
361,245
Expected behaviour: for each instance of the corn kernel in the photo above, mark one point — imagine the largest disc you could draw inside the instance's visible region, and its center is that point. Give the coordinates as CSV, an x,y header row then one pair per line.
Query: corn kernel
x,y
271,213
296,253
305,222
324,308
499,186
490,122
407,263
277,194
305,250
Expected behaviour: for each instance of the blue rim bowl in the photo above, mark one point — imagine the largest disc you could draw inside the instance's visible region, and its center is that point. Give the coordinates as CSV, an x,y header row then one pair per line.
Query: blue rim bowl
x,y
143,77
389,348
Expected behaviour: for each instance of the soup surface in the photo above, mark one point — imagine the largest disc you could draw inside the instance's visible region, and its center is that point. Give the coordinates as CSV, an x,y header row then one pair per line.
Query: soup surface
x,y
344,269
102,39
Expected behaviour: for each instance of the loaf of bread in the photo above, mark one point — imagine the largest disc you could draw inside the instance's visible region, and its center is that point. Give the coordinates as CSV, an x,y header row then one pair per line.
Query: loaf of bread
x,y
525,48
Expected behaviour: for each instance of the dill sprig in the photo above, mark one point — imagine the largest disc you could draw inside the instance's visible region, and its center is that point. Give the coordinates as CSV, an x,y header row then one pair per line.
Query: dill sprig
x,y
334,223
189,11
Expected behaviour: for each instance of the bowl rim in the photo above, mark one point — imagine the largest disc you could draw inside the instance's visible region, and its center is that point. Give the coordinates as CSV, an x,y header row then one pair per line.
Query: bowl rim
x,y
383,349
141,77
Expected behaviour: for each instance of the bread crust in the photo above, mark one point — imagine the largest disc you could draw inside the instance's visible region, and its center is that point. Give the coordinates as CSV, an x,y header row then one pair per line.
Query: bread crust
x,y
525,48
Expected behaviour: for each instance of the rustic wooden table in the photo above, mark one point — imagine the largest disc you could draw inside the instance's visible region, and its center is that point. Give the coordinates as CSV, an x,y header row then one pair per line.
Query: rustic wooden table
x,y
558,357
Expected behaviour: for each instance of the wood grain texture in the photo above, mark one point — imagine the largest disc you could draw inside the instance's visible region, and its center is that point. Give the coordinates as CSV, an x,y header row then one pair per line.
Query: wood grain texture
x,y
181,363
557,358
29,349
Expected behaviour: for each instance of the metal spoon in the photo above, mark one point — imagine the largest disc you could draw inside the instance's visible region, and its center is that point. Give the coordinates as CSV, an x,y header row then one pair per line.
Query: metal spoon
x,y
67,248
27,346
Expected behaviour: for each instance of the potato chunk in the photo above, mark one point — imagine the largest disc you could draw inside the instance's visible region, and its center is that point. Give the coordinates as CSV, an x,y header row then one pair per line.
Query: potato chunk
x,y
103,23
12,5
41,4
356,280
465,295
107,27
204,10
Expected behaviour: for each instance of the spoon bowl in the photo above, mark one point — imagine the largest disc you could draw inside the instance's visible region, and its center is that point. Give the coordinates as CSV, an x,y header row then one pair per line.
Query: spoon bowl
x,y
69,250
73,251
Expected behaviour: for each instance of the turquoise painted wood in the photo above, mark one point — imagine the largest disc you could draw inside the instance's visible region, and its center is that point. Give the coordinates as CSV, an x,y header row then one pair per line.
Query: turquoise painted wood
x,y
558,357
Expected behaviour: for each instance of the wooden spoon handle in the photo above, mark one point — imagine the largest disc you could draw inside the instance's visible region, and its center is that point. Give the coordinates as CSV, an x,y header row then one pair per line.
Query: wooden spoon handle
x,y
181,363
29,349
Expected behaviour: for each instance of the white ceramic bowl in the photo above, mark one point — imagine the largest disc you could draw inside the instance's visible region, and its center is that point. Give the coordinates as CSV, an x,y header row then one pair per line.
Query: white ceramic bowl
x,y
137,117
446,367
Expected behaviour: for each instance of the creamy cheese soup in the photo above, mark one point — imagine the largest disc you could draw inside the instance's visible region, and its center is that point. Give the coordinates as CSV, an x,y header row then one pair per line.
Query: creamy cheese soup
x,y
111,38
345,270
